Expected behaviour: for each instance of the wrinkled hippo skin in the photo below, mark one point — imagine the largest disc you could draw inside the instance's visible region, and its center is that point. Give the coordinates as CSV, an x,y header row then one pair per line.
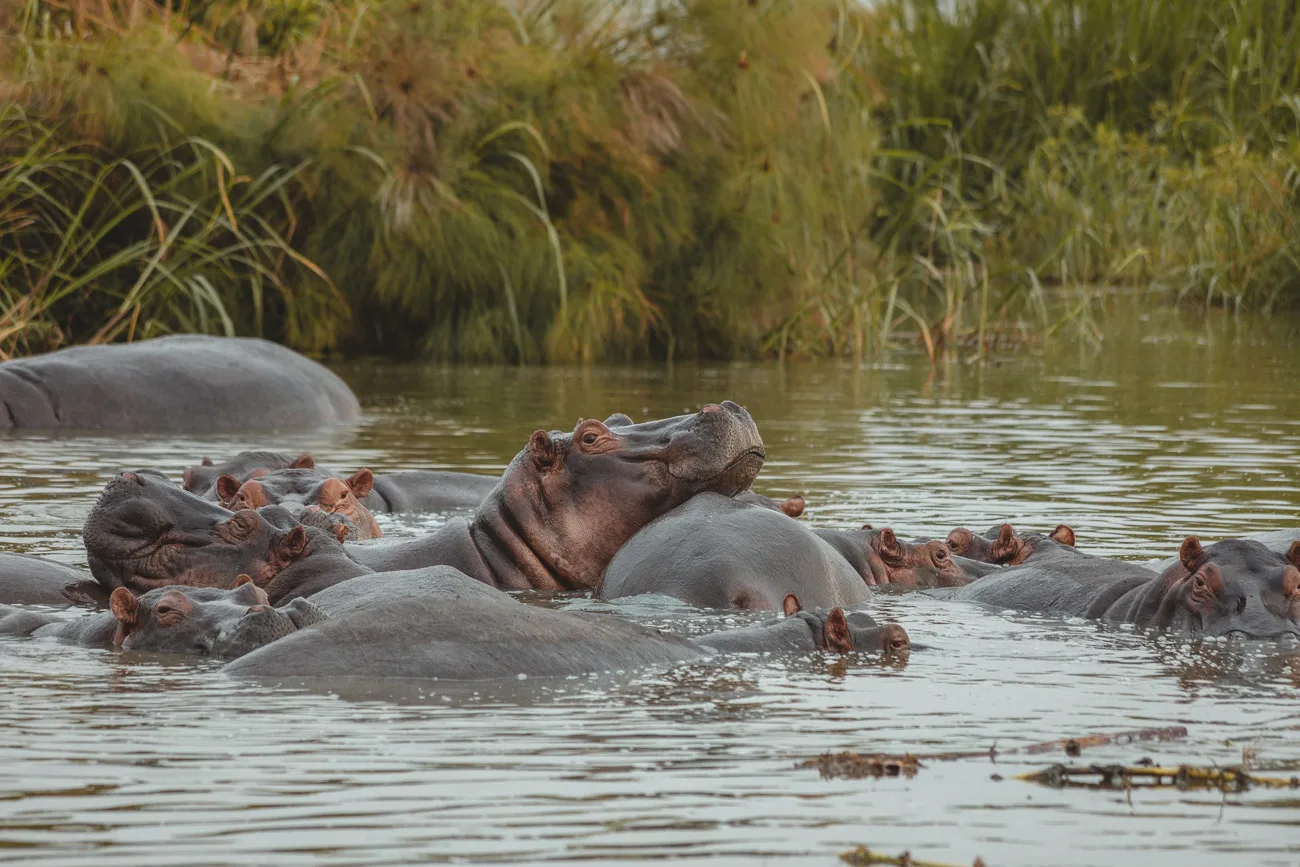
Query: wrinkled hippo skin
x,y
28,580
305,491
717,552
1003,546
183,383
880,557
439,623
562,508
1236,587
185,620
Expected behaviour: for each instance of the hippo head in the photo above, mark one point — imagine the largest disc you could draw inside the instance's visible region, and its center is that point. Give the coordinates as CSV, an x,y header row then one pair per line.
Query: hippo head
x,y
838,632
1237,587
201,478
144,532
205,621
302,489
567,502
1003,546
890,560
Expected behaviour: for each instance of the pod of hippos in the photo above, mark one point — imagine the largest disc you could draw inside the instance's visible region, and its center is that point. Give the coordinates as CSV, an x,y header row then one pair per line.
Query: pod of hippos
x,y
277,564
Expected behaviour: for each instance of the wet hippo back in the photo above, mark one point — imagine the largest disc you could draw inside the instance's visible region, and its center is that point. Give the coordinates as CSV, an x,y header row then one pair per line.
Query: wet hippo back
x,y
716,552
439,623
27,580
183,383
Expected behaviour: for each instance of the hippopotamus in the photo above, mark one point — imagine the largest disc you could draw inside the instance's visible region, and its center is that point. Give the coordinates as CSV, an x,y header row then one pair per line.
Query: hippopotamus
x,y
302,490
880,557
1236,587
564,505
28,580
792,505
1003,546
188,620
202,478
440,623
183,383
716,552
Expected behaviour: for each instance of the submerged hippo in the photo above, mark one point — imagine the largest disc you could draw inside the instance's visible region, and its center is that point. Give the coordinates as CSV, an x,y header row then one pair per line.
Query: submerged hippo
x,y
304,489
28,580
716,552
562,508
1237,587
183,383
1003,546
187,620
439,623
880,558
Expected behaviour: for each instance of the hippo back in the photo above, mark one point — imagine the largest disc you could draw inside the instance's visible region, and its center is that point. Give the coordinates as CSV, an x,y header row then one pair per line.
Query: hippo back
x,y
716,552
181,383
440,623
1080,585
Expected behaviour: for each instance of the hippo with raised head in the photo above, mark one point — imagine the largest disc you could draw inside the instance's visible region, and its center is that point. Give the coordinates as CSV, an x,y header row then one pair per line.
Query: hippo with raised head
x,y
1236,587
717,552
439,623
1003,546
188,620
881,558
182,383
564,505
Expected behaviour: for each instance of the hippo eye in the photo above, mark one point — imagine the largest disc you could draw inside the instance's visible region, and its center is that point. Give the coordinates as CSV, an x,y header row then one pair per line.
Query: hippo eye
x,y
589,438
1199,582
941,554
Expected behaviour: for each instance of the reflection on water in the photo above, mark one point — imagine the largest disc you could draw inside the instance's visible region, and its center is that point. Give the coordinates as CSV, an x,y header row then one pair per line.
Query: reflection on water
x,y
113,759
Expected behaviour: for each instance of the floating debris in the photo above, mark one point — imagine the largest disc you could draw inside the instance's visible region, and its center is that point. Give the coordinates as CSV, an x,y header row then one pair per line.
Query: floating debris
x,y
1229,779
863,856
855,766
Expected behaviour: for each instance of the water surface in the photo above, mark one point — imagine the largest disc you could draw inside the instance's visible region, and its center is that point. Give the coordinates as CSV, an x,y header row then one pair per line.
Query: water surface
x,y
109,758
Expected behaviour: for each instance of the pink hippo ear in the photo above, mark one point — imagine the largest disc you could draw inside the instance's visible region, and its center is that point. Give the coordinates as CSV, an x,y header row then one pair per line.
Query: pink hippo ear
x,y
1063,534
890,547
1007,546
1293,554
258,594
341,532
292,545
207,462
303,462
362,482
126,611
791,605
838,636
543,450
793,506
1190,552
227,487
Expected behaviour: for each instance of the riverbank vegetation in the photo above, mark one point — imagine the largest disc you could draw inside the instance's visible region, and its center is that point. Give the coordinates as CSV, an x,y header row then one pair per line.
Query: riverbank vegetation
x,y
557,180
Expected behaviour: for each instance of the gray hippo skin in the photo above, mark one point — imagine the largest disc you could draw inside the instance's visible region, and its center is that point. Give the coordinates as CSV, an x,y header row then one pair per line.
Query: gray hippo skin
x,y
439,623
185,620
880,558
28,580
563,507
183,383
1236,587
716,552
1001,545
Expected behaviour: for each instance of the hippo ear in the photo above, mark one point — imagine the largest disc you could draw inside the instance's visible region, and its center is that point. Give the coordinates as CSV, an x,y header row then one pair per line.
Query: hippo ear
x,y
1064,534
1006,547
542,448
791,605
867,527
341,532
1189,552
793,506
124,605
207,462
258,594
241,581
618,419
292,544
303,462
890,547
362,482
1293,554
227,487
838,636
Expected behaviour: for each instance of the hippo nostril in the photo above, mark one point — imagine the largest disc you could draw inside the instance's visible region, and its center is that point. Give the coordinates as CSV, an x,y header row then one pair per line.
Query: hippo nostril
x,y
710,407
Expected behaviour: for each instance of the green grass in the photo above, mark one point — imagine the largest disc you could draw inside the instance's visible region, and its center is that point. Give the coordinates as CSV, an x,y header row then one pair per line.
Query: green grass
x,y
578,180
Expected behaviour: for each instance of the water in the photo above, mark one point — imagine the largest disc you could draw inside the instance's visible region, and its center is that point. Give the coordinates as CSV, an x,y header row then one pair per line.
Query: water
x,y
111,759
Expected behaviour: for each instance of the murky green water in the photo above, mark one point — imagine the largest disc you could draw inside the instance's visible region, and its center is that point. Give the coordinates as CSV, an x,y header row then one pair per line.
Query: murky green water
x,y
109,759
